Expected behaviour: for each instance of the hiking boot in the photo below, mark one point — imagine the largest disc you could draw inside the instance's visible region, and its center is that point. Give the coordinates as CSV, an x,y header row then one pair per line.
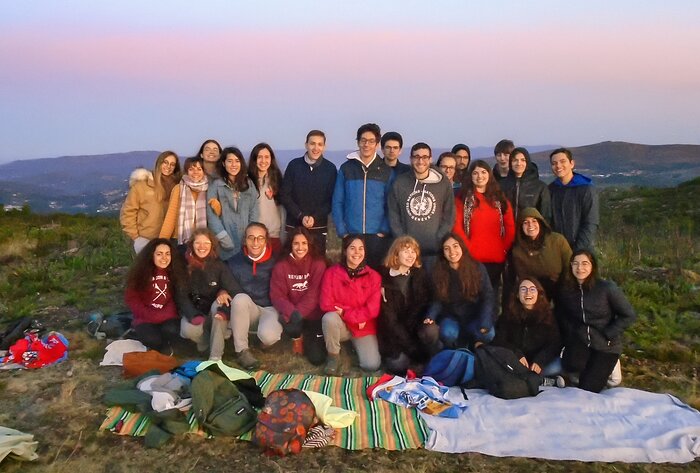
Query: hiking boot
x,y
332,367
298,346
246,359
557,381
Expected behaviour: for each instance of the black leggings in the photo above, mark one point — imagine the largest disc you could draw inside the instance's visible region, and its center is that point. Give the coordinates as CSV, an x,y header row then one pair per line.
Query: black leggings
x,y
594,366
159,337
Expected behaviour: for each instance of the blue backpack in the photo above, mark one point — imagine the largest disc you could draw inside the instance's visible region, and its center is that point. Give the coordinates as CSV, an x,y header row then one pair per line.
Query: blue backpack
x,y
451,367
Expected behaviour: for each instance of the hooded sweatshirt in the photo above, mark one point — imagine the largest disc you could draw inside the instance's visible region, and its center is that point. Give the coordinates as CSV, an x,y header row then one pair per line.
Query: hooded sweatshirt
x,y
575,212
360,195
423,209
527,190
296,285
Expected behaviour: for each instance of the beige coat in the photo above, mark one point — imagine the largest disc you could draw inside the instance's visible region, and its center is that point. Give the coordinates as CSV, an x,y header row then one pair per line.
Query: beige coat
x,y
142,213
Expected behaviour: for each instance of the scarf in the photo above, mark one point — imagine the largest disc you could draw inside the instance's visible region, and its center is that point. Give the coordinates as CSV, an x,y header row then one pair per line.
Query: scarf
x,y
470,204
353,273
193,208
194,261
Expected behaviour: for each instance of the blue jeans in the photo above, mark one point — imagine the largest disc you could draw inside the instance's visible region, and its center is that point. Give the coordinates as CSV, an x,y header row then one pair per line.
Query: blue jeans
x,y
451,332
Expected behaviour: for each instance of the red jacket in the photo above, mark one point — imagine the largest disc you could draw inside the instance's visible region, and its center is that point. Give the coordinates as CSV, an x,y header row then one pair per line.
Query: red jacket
x,y
359,298
154,304
485,243
295,285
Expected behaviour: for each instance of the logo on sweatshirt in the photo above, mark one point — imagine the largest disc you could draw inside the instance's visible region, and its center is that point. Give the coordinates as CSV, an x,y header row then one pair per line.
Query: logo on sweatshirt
x,y
421,205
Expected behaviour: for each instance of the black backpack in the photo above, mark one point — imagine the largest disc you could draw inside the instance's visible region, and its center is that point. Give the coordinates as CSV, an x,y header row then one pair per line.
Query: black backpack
x,y
499,371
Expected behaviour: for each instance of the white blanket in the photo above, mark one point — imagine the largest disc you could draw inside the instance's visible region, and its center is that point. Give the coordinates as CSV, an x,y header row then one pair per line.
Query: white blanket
x,y
625,425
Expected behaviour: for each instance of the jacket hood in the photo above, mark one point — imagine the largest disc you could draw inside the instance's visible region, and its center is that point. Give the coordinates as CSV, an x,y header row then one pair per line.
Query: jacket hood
x,y
356,155
578,180
140,174
434,176
531,212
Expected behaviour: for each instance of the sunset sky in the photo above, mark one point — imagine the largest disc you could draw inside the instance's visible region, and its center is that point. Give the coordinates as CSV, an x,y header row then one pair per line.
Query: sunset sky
x,y
90,77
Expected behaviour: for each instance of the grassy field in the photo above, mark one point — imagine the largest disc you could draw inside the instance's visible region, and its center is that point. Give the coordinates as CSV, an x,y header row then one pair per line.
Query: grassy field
x,y
60,268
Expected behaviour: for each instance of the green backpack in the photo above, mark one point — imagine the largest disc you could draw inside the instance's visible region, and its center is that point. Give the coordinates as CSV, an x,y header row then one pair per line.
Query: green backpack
x,y
221,409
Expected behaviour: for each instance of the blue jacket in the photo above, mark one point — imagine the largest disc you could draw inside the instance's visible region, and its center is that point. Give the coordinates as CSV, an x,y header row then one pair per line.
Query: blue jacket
x,y
254,276
230,225
359,198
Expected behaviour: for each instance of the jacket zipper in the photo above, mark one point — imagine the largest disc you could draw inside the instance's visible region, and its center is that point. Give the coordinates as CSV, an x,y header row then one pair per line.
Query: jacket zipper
x,y
583,317
364,200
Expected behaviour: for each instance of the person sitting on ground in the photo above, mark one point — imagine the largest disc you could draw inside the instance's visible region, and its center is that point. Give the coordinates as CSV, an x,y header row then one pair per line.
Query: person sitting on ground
x,y
155,288
462,313
295,288
211,288
539,252
529,329
350,298
597,313
187,209
405,300
252,308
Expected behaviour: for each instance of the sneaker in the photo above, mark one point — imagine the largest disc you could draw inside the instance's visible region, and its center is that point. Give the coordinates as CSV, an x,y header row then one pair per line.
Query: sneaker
x,y
332,367
298,346
616,376
246,359
557,381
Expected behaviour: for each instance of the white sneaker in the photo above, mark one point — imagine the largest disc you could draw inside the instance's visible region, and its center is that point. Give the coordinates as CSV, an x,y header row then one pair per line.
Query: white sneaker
x,y
557,381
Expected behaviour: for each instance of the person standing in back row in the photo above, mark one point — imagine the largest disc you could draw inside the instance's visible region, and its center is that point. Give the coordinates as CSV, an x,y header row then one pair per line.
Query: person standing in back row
x,y
307,190
575,212
360,195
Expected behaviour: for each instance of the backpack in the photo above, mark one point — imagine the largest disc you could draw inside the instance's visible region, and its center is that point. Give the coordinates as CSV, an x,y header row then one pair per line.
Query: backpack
x,y
219,406
284,421
16,330
113,326
451,367
499,371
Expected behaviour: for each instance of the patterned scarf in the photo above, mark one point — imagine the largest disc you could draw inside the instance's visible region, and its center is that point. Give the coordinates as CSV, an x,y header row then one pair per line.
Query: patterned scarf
x,y
353,273
469,204
193,208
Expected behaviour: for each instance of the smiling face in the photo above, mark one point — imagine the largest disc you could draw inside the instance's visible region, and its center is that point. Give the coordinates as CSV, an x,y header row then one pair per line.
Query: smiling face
x,y
355,253
448,165
531,227
210,152
407,258
315,146
167,167
452,252
420,162
562,167
263,161
527,294
255,239
480,177
581,267
300,246
368,145
202,246
195,172
161,256
232,164
518,163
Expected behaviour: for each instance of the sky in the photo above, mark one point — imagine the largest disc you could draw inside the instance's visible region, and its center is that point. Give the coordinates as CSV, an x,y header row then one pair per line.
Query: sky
x,y
80,77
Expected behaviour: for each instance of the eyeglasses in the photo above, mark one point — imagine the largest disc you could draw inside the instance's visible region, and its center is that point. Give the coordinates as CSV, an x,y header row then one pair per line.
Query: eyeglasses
x,y
365,141
526,289
424,157
447,168
253,238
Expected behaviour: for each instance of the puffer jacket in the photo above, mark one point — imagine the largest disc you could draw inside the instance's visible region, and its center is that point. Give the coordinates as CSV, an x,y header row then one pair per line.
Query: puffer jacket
x,y
527,191
360,196
205,284
358,297
254,276
230,225
597,316
142,213
575,211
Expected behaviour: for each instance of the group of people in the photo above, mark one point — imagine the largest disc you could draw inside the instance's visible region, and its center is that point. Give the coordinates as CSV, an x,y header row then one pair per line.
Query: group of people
x,y
455,254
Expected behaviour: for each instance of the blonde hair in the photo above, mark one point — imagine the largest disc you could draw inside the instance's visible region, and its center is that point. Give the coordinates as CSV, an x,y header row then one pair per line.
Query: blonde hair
x,y
392,256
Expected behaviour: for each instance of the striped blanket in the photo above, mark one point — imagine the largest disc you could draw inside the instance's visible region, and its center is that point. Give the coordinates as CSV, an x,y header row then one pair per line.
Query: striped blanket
x,y
379,425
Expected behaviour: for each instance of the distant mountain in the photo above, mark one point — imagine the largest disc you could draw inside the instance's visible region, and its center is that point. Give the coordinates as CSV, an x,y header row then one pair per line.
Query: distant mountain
x,y
98,184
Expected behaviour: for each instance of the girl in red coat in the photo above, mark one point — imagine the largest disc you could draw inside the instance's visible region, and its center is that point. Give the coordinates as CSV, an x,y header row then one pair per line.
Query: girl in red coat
x,y
350,298
155,281
295,288
484,220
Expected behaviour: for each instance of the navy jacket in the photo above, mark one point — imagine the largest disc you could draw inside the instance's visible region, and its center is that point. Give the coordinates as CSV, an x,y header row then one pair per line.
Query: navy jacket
x,y
307,189
575,212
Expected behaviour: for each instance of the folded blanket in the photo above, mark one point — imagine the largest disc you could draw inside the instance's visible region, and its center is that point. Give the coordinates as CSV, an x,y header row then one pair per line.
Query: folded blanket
x,y
620,424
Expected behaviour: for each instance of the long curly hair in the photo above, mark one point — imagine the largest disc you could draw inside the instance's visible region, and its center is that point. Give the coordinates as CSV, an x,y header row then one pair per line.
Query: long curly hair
x,y
541,312
467,271
143,269
214,252
314,250
493,191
